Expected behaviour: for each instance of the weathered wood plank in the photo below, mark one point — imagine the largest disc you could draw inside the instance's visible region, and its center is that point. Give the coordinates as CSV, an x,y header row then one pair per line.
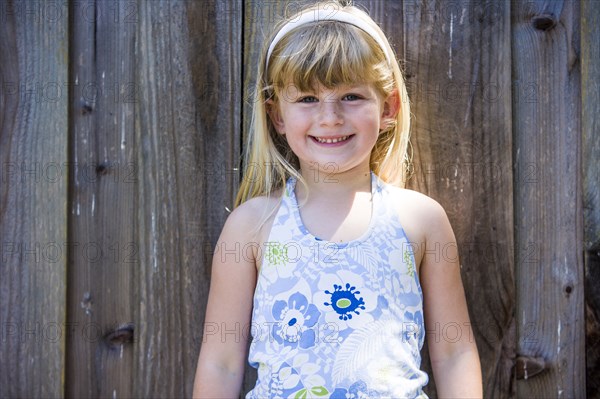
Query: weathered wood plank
x,y
33,198
458,75
102,200
590,126
548,212
188,138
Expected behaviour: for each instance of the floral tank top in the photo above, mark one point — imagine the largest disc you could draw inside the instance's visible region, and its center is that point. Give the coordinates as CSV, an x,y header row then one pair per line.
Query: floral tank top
x,y
338,320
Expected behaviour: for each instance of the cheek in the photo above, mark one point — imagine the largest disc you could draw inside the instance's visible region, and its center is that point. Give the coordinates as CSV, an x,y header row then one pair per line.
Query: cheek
x,y
371,121
290,116
370,114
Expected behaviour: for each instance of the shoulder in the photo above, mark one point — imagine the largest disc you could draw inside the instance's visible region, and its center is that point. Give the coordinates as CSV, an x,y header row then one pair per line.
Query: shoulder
x,y
251,210
251,221
423,219
251,214
417,205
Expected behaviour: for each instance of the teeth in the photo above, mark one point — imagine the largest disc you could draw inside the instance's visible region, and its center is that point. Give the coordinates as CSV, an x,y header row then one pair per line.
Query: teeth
x,y
330,141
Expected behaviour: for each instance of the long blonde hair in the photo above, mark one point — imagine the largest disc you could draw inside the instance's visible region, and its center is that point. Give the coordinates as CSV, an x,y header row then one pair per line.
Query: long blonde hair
x,y
329,53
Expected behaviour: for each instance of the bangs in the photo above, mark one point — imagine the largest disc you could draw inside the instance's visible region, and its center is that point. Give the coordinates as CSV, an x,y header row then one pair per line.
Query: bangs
x,y
327,53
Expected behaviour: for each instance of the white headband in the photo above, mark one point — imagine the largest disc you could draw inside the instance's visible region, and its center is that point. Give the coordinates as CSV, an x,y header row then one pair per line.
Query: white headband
x,y
326,15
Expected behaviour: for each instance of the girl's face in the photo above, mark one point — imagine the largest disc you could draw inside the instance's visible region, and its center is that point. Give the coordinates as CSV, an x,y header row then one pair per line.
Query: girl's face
x,y
332,130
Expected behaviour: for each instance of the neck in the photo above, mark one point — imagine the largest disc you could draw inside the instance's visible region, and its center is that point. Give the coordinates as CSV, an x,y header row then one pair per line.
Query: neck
x,y
333,187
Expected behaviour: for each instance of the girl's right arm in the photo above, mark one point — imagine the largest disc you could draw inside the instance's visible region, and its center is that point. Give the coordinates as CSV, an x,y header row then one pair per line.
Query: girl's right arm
x,y
228,314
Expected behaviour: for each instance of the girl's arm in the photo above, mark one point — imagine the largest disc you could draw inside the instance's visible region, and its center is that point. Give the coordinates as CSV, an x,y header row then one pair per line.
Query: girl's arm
x,y
224,340
452,348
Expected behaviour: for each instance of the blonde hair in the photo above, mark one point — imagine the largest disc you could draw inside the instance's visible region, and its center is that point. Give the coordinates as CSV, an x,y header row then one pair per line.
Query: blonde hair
x,y
329,53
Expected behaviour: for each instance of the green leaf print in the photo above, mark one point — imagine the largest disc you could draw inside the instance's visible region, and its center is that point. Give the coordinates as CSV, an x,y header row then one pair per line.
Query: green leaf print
x,y
409,263
301,394
276,253
319,391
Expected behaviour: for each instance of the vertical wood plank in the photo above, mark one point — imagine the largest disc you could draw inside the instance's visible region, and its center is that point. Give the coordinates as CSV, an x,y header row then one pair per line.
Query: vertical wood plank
x,y
590,126
187,126
548,212
102,203
33,198
457,66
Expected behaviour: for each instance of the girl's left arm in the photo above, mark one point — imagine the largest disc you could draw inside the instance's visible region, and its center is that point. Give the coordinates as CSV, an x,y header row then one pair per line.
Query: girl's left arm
x,y
452,347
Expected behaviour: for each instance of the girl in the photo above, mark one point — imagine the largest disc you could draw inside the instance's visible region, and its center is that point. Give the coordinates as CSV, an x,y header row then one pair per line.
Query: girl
x,y
331,267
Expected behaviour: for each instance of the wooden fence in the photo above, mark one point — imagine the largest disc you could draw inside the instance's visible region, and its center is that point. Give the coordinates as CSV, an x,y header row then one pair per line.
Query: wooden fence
x,y
121,128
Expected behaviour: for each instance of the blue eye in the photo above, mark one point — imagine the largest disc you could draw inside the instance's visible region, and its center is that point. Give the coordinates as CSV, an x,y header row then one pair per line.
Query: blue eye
x,y
308,99
352,97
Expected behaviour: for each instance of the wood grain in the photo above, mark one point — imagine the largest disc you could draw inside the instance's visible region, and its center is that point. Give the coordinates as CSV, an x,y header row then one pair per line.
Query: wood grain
x,y
188,130
102,191
457,65
548,212
33,200
590,125
163,159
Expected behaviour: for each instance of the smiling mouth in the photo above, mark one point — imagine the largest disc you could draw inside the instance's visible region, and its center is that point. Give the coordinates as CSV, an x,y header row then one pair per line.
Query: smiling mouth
x,y
331,140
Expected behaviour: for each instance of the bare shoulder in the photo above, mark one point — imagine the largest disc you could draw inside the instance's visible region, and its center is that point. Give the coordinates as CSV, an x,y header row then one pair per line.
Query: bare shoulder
x,y
421,206
422,218
251,221
254,211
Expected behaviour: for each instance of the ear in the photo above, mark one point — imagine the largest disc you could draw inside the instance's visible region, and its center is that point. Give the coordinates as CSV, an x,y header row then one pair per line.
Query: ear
x,y
391,107
275,116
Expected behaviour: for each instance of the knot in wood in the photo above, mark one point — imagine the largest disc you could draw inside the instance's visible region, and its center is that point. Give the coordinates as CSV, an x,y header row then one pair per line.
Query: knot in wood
x,y
86,108
568,289
543,22
102,169
120,336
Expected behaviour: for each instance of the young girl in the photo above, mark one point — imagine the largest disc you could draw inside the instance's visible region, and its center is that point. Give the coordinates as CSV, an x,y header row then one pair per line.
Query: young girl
x,y
331,267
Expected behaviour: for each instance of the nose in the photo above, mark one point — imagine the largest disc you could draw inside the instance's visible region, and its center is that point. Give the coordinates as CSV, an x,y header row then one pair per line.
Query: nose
x,y
330,113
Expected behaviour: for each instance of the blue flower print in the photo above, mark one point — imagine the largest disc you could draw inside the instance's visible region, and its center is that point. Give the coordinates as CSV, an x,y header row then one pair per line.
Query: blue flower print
x,y
345,301
358,390
295,319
